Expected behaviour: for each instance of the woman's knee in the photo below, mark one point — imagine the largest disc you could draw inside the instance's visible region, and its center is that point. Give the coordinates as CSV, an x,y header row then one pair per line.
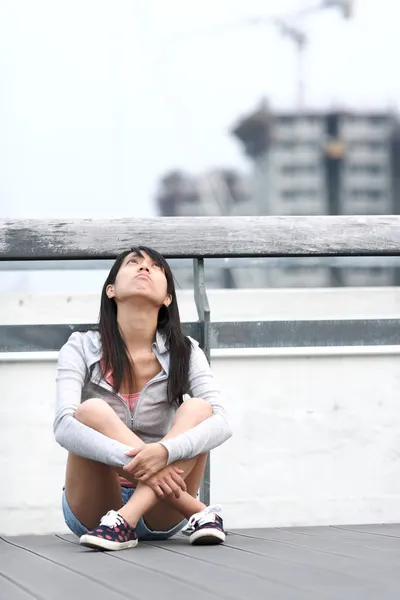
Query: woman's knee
x,y
92,411
199,409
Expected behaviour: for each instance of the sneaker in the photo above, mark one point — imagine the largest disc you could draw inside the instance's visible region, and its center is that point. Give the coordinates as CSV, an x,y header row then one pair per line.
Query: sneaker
x,y
113,533
206,527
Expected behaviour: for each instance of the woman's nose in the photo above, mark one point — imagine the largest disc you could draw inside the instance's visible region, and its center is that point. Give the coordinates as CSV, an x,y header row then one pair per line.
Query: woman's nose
x,y
144,267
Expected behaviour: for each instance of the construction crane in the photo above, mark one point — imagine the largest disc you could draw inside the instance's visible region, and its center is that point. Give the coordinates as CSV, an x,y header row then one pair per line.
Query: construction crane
x,y
287,26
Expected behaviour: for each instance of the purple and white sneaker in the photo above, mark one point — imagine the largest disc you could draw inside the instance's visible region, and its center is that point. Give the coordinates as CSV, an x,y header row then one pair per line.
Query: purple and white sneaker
x,y
113,533
206,527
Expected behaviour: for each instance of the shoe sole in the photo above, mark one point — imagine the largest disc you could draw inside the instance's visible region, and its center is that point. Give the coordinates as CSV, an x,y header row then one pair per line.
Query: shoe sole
x,y
206,537
101,544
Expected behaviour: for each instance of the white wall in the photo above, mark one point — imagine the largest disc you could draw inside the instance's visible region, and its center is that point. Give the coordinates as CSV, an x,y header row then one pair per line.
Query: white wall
x,y
324,303
315,431
316,440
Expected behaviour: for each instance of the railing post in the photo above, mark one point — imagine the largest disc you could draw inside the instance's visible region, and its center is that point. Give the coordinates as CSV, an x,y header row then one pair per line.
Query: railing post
x,y
203,311
203,308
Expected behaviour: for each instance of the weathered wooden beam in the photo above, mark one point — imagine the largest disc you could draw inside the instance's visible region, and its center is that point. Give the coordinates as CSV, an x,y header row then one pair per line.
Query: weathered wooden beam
x,y
182,237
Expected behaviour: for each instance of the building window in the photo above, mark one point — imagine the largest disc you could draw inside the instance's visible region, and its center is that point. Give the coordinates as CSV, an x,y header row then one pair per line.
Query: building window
x,y
288,194
366,120
375,195
365,169
286,145
286,120
297,145
373,145
378,120
366,144
297,195
364,194
298,169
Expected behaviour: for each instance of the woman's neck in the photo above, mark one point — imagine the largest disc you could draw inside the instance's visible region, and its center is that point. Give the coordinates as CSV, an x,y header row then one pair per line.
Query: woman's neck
x,y
138,326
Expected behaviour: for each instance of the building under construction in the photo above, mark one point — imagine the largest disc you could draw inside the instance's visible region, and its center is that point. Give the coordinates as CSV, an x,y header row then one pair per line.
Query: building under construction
x,y
322,163
302,163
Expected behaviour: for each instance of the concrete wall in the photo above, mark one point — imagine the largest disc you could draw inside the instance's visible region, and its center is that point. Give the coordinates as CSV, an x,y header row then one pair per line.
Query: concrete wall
x,y
315,431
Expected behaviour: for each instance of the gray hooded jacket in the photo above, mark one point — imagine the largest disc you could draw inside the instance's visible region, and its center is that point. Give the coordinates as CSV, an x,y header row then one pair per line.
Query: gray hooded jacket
x,y
79,378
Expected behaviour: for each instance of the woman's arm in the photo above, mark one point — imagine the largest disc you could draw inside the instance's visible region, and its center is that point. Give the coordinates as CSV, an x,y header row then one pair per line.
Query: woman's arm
x,y
213,431
70,433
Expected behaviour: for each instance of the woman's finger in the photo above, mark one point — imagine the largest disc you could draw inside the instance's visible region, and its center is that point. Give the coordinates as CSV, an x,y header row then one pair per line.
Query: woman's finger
x,y
132,452
179,471
176,490
132,466
179,481
169,480
158,490
165,487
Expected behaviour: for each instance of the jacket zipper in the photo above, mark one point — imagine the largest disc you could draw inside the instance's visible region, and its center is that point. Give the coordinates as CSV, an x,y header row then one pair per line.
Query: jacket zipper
x,y
159,377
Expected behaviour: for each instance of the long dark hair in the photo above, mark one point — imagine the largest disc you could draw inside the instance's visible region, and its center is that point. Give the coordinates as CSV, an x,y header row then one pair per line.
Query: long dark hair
x,y
115,353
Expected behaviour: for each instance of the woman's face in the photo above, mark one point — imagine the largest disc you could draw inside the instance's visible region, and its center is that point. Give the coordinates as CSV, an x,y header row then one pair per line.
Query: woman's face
x,y
140,276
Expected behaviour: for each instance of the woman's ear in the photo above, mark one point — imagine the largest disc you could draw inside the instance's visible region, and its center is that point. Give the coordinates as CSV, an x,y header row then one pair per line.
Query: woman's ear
x,y
110,291
167,300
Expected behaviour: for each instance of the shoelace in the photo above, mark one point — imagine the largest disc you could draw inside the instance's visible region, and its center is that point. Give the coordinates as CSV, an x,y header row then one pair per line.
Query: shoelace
x,y
112,519
202,518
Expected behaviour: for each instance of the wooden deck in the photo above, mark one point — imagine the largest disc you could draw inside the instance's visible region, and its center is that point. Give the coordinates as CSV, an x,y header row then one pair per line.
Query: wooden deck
x,y
314,563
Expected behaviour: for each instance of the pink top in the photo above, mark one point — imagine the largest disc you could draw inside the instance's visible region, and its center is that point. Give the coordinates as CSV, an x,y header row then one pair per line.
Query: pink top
x,y
131,400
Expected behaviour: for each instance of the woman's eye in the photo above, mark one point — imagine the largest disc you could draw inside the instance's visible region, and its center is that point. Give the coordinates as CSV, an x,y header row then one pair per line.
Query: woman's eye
x,y
157,265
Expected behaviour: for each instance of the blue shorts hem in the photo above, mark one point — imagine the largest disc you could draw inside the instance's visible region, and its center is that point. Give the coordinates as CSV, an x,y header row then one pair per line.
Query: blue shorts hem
x,y
143,532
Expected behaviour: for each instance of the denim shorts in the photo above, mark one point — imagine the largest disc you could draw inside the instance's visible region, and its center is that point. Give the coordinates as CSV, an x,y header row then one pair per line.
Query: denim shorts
x,y
143,532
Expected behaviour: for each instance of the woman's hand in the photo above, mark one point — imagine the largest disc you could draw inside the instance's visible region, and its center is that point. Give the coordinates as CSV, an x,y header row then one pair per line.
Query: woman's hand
x,y
148,461
168,481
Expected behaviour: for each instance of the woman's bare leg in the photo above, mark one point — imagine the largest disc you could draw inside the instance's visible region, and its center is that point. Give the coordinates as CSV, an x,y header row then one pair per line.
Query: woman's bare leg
x,y
91,489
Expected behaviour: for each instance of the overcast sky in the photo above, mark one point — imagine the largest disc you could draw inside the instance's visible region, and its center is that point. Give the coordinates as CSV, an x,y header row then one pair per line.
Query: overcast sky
x,y
98,98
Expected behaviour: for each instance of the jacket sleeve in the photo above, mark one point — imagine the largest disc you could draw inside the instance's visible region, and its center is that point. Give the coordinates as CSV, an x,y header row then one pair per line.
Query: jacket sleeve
x,y
70,433
212,432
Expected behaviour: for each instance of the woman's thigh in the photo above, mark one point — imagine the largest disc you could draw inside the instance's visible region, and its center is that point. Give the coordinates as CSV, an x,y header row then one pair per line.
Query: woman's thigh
x,y
91,489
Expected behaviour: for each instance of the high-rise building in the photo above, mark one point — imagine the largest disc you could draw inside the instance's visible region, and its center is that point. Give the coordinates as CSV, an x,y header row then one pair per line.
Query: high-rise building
x,y
321,163
324,163
303,163
218,192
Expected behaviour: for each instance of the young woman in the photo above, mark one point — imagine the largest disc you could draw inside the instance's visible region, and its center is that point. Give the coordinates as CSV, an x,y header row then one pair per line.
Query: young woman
x,y
137,449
